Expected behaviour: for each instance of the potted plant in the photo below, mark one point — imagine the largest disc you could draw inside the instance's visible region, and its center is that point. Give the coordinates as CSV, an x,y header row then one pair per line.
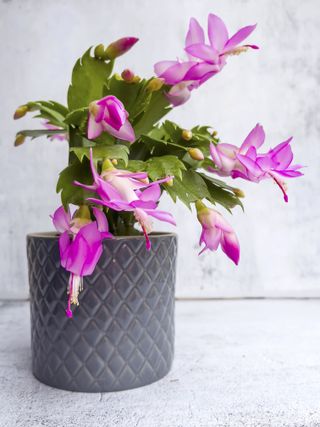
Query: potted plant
x,y
105,255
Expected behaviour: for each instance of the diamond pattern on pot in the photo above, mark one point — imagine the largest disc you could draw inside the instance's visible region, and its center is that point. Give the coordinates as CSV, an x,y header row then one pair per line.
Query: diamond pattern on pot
x,y
122,334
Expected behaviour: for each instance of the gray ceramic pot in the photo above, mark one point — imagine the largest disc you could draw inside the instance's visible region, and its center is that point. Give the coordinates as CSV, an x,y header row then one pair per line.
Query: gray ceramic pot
x,y
122,334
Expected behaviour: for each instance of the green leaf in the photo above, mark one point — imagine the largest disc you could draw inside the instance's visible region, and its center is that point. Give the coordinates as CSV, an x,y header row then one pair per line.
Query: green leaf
x,y
160,167
49,110
190,188
35,133
70,193
89,77
220,192
77,117
157,107
101,152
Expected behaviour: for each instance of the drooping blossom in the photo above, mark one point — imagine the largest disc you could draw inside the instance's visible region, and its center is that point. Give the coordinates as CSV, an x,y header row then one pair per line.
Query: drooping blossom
x,y
80,245
217,231
120,47
204,59
122,190
58,136
109,115
245,162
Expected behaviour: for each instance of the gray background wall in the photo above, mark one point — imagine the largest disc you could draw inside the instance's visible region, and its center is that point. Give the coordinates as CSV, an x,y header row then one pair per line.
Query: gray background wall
x,y
277,86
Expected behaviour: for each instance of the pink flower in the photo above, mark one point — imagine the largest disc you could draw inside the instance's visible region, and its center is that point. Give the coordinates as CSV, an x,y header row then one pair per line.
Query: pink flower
x,y
205,60
109,115
121,190
246,163
59,136
216,231
80,244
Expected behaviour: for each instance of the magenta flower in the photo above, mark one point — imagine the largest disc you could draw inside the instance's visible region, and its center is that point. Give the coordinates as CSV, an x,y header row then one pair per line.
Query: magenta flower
x,y
59,136
246,163
121,190
120,47
205,60
216,231
80,245
109,115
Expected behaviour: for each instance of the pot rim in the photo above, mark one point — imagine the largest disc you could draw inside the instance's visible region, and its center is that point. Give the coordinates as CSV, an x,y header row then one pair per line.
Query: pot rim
x,y
55,235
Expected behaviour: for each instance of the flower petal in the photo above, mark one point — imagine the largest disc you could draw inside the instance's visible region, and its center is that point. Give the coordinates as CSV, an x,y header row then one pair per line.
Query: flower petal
x,y
61,219
176,72
101,219
152,193
255,139
238,37
230,246
217,32
203,51
161,215
125,133
94,129
195,33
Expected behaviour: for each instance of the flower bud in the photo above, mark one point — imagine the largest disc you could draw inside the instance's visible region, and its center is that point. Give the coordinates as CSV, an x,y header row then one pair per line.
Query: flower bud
x,y
19,139
20,112
214,134
100,53
196,154
170,182
186,135
238,192
114,162
119,47
136,79
155,84
127,75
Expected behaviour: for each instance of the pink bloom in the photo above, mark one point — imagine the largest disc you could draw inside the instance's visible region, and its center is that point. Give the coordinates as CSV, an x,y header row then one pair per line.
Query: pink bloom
x,y
122,190
246,163
121,46
109,115
59,136
205,60
80,244
216,231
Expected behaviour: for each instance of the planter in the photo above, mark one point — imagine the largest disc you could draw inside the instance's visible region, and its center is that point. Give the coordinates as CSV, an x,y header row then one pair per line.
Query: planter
x,y
122,334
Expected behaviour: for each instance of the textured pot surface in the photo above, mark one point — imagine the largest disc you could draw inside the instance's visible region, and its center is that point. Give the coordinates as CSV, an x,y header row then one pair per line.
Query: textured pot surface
x,y
122,334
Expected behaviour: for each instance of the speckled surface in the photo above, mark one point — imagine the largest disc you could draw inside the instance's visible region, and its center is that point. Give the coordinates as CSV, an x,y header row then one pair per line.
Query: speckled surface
x,y
252,363
278,86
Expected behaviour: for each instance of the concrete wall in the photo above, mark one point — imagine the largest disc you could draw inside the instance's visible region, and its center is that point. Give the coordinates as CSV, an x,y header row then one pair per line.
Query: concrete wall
x,y
277,86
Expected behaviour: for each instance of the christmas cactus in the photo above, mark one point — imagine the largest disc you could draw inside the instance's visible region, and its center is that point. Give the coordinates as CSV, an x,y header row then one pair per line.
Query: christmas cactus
x,y
123,156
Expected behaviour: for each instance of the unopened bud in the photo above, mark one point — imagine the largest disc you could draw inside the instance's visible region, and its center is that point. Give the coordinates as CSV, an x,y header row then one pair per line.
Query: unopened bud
x,y
238,192
20,112
170,182
100,53
136,79
119,47
19,139
117,76
127,75
114,161
196,154
186,135
214,133
155,84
